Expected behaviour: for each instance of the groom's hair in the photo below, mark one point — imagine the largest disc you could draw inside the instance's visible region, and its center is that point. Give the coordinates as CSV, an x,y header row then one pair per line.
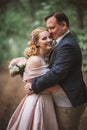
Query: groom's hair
x,y
60,17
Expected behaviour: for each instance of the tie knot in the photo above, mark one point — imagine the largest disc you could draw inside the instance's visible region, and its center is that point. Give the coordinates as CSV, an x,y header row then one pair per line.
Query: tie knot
x,y
54,43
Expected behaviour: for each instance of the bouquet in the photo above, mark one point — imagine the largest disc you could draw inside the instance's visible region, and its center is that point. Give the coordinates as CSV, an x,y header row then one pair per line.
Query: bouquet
x,y
17,65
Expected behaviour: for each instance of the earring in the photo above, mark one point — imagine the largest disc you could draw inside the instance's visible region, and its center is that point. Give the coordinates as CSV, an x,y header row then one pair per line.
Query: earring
x,y
37,46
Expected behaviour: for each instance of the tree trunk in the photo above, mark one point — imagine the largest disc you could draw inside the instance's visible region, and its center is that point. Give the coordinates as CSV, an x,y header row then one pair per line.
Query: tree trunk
x,y
80,15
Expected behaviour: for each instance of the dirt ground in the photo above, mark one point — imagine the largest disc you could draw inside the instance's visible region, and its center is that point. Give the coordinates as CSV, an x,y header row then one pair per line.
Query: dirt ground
x,y
11,93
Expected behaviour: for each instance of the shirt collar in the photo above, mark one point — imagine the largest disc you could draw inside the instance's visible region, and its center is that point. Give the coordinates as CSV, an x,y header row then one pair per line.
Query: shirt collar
x,y
60,38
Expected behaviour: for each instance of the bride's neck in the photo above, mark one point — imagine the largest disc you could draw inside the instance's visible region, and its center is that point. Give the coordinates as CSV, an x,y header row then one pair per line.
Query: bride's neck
x,y
43,53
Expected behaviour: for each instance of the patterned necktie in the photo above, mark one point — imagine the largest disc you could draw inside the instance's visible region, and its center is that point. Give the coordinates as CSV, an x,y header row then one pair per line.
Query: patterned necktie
x,y
54,44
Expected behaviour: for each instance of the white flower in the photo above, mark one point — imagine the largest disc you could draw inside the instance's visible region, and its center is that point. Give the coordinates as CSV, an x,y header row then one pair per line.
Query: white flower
x,y
17,65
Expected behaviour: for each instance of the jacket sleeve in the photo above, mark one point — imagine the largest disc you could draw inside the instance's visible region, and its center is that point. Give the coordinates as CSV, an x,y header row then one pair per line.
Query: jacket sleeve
x,y
64,59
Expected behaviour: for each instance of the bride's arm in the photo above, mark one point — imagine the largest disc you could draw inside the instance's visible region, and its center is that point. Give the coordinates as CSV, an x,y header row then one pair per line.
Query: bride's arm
x,y
51,89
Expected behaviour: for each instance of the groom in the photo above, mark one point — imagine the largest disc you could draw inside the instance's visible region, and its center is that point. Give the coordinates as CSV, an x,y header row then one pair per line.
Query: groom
x,y
65,62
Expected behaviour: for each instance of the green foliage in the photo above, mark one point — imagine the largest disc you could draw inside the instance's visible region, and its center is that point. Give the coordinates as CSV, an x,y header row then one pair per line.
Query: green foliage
x,y
21,17
15,29
82,37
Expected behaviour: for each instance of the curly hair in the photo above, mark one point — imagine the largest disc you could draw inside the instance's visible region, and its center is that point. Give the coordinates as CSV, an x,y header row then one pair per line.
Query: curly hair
x,y
32,48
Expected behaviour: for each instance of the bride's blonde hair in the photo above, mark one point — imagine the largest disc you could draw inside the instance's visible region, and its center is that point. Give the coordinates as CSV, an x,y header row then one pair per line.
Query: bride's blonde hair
x,y
32,48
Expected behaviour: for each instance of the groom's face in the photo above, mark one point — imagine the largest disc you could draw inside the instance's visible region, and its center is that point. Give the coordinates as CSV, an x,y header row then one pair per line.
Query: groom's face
x,y
55,29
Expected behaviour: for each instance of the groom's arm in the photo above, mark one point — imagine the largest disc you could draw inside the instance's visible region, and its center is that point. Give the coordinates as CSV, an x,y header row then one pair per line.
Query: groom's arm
x,y
59,71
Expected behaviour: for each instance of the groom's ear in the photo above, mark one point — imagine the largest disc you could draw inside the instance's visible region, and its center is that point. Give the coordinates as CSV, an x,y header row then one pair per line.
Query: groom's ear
x,y
64,25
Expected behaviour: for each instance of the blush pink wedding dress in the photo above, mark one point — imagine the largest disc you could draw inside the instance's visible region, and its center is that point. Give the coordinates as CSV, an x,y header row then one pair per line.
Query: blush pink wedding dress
x,y
36,111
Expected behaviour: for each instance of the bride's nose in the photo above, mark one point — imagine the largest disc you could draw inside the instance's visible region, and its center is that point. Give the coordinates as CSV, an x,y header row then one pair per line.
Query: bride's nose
x,y
49,39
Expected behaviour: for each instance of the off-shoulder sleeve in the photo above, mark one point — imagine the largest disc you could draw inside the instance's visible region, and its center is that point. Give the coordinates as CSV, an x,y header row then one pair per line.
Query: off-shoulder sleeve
x,y
35,67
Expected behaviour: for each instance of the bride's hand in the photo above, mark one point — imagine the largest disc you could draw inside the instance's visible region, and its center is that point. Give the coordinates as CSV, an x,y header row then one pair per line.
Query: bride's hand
x,y
27,90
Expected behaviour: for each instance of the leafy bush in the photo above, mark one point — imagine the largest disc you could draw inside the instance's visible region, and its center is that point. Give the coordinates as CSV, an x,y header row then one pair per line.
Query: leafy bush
x,y
15,31
17,22
82,37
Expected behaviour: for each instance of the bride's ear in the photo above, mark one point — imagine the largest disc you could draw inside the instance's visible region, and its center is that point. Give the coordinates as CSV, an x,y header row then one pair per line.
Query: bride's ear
x,y
37,45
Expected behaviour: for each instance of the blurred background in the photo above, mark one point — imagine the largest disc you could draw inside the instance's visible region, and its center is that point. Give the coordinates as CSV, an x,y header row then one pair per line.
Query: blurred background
x,y
17,19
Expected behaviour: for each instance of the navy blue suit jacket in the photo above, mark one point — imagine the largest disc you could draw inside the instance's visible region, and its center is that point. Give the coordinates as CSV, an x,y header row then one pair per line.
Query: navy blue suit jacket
x,y
65,62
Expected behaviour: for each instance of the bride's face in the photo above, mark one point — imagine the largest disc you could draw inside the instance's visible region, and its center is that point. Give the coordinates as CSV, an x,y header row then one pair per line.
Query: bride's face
x,y
45,41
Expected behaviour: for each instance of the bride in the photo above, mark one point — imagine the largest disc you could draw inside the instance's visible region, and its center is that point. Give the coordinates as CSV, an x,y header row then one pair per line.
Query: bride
x,y
35,111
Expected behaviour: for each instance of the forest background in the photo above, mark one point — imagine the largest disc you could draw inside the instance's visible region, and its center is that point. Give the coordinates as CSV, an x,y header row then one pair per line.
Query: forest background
x,y
19,17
